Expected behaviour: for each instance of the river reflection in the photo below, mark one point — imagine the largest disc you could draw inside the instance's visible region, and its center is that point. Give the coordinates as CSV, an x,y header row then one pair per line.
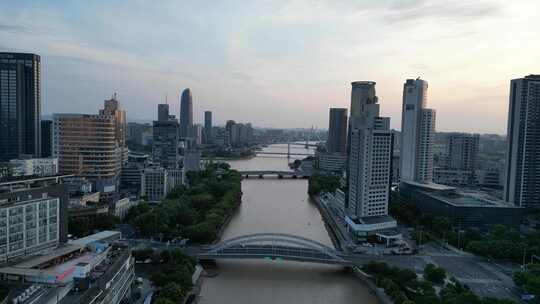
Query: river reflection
x,y
273,205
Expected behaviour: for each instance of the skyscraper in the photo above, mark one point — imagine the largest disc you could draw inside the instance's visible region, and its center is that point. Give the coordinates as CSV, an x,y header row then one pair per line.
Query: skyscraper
x,y
111,107
462,151
417,131
522,185
20,105
46,138
337,131
165,139
163,112
370,155
186,114
362,94
207,126
92,146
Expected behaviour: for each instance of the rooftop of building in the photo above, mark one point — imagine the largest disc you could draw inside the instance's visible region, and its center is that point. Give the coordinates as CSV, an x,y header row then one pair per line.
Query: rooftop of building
x,y
461,197
470,198
32,179
12,55
430,186
95,261
370,220
18,189
363,83
56,266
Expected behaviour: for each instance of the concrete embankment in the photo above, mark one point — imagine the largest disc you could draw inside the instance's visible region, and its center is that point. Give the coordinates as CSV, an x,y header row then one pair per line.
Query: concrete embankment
x,y
339,241
367,280
334,232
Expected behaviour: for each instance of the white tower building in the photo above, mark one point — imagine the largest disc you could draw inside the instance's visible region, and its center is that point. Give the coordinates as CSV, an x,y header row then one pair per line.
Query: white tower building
x,y
370,157
417,131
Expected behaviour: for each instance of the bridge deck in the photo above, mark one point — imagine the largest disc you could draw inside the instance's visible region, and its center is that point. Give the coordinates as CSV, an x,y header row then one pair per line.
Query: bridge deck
x,y
291,253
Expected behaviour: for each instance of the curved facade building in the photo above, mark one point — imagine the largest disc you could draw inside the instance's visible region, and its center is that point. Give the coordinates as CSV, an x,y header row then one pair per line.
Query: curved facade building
x,y
92,146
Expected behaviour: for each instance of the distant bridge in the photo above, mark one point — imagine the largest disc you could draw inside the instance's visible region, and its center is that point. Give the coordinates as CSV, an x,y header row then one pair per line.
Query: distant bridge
x,y
276,246
284,153
278,174
289,152
307,145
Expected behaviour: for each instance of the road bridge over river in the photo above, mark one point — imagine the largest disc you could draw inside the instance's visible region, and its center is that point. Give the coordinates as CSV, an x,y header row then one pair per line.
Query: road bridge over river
x,y
276,246
279,174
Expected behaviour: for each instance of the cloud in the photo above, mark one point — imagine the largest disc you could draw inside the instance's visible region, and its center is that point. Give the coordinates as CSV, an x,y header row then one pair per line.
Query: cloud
x,y
449,10
15,29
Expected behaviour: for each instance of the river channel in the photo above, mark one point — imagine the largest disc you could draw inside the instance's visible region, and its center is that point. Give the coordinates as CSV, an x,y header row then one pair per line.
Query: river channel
x,y
283,206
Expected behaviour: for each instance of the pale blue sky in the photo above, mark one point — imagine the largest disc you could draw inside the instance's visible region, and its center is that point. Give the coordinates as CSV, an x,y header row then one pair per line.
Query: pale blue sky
x,y
278,63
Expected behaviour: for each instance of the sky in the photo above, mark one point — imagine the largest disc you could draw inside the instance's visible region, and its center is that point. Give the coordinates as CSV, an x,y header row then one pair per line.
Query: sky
x,y
278,63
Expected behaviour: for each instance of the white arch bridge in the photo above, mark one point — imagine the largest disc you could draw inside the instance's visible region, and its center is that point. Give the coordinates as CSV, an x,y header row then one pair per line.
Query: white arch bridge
x,y
276,246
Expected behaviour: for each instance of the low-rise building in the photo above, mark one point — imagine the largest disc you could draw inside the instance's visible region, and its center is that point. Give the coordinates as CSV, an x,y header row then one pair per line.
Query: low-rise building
x,y
130,177
82,199
34,166
121,207
491,178
33,216
157,182
97,269
382,227
453,177
464,208
331,162
457,177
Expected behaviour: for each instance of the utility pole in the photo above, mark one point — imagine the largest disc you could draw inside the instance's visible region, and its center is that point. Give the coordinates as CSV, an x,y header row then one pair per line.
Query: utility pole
x,y
289,149
524,254
420,238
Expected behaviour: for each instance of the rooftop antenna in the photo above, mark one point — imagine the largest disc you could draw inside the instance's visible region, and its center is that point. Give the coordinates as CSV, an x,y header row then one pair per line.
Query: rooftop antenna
x,y
166,95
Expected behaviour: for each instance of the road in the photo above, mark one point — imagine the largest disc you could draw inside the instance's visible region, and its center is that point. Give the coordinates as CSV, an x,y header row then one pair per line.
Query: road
x,y
483,277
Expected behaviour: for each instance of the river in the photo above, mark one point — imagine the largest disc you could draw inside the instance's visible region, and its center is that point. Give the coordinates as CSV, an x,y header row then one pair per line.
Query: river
x,y
273,205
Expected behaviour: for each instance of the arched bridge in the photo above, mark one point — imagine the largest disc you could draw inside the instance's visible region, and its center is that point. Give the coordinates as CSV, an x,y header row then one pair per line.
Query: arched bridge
x,y
276,246
279,174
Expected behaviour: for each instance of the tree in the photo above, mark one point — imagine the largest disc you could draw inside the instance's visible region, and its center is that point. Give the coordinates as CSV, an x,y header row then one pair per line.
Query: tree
x,y
165,256
434,274
181,275
201,232
161,300
159,279
496,301
224,166
142,254
172,291
374,267
405,277
322,183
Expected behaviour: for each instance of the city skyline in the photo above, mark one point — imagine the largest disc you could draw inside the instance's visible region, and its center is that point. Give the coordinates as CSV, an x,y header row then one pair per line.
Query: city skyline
x,y
306,61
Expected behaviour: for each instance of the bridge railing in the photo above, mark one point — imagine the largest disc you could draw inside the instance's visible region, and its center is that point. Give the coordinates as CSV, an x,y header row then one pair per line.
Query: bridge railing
x,y
276,241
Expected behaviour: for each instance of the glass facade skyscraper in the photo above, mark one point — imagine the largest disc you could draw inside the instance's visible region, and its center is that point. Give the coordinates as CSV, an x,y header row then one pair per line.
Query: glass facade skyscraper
x,y
20,105
186,114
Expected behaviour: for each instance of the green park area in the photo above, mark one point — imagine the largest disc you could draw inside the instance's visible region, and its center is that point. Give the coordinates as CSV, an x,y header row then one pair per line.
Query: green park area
x,y
403,286
196,212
